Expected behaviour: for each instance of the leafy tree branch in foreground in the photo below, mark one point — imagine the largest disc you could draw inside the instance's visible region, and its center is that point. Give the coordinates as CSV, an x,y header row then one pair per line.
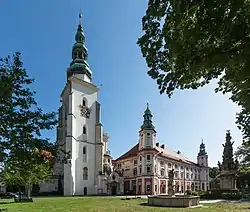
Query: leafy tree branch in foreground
x,y
187,44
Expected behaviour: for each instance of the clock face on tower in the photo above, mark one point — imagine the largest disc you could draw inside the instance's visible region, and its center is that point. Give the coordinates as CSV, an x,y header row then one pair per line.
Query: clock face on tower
x,y
85,111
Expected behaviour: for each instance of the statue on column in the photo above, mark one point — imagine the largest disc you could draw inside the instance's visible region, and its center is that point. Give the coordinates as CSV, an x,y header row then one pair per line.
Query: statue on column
x,y
170,183
229,166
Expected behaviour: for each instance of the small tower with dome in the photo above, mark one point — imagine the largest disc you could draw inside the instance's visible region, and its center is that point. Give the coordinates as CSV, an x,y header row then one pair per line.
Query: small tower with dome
x,y
202,161
202,158
147,132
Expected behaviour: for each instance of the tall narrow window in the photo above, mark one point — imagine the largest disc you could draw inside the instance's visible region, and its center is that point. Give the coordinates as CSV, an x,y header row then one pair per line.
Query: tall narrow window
x,y
84,130
148,157
84,154
148,169
135,171
162,172
85,173
84,102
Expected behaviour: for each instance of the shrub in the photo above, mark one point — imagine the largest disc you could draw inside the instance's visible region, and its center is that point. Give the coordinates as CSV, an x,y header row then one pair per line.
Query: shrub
x,y
231,196
23,199
219,194
195,193
53,193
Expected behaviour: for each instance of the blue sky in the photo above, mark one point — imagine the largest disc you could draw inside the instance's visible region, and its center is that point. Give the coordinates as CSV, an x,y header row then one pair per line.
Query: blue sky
x,y
43,31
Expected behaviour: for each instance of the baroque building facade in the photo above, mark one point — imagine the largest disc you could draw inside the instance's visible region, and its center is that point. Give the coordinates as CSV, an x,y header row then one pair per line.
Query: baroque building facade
x,y
145,166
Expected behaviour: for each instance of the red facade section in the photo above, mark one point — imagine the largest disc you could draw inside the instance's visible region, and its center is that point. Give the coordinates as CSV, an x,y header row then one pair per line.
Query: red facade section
x,y
126,187
148,185
203,186
162,186
139,186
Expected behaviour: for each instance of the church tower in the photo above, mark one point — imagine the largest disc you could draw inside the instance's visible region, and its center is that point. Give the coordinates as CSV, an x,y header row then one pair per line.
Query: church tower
x,y
202,158
147,132
81,130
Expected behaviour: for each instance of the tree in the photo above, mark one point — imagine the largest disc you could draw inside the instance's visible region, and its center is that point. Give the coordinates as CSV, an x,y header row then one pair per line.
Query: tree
x,y
213,172
25,153
243,153
26,172
189,43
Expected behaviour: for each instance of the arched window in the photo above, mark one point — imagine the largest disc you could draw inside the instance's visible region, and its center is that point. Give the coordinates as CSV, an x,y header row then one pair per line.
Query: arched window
x,y
84,130
84,154
85,173
84,102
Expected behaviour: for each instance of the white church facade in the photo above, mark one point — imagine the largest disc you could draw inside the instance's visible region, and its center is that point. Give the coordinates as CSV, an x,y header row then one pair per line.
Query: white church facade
x,y
90,170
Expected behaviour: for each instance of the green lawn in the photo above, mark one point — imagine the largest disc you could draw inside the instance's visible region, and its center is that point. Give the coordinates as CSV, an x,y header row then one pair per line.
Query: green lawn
x,y
96,204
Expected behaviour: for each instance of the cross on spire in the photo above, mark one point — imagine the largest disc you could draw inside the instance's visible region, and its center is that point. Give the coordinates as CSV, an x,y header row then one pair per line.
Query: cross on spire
x,y
80,17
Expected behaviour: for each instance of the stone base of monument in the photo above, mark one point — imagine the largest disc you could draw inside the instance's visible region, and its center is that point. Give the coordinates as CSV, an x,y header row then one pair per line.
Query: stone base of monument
x,y
174,201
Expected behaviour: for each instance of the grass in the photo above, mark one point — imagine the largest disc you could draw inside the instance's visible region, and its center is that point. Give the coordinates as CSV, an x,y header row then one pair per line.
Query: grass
x,y
97,204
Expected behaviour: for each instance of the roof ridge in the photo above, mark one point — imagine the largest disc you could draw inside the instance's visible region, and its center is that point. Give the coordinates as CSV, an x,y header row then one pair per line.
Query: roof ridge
x,y
129,153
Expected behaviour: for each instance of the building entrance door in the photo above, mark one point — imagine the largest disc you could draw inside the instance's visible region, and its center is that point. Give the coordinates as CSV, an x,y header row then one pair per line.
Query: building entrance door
x,y
85,191
113,188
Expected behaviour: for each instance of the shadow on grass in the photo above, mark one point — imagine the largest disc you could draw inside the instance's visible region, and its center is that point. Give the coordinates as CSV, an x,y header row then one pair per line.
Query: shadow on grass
x,y
144,204
158,206
151,206
4,203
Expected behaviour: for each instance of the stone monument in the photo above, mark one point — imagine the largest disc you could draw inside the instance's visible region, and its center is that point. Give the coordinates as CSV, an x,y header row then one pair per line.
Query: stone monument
x,y
228,167
170,183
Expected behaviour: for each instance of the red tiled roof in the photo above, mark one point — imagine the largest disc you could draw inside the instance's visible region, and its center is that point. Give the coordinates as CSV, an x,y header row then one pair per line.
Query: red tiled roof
x,y
131,153
166,152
